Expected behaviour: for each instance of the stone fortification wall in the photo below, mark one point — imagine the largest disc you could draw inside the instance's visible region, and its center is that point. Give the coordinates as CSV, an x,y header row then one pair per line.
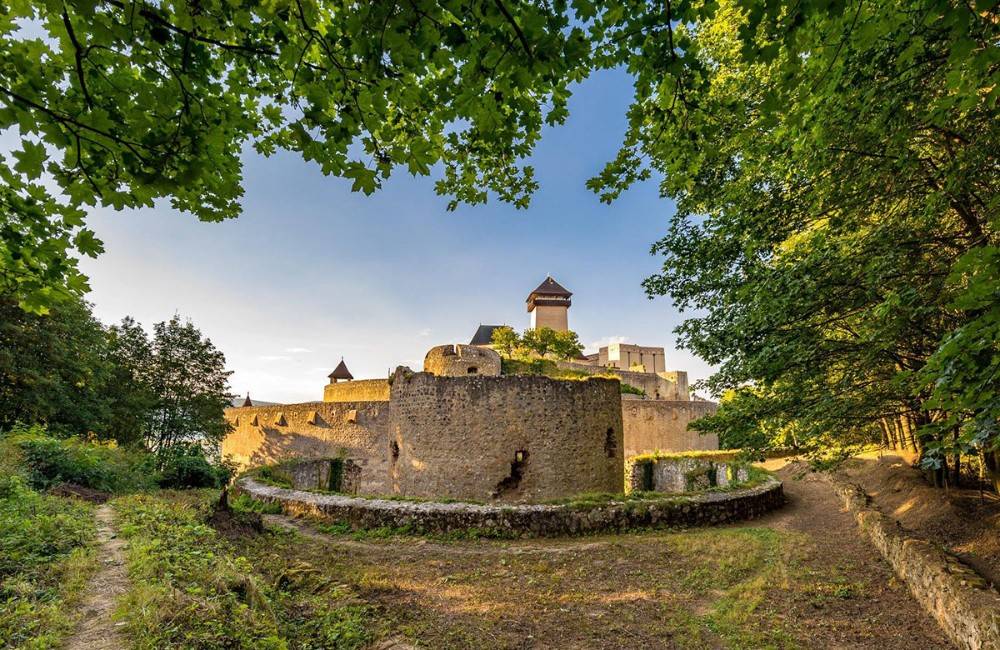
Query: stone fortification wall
x,y
462,361
668,385
523,520
359,390
958,598
511,438
661,425
358,431
680,474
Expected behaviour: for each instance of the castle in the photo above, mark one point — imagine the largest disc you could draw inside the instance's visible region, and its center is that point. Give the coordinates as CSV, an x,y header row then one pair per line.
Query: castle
x,y
462,429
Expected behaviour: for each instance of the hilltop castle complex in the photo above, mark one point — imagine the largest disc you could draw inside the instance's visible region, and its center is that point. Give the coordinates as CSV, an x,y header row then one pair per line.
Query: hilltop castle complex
x,y
463,429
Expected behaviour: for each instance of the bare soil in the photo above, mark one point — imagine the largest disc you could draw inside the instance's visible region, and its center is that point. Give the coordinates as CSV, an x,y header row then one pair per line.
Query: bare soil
x,y
97,630
802,577
79,492
965,521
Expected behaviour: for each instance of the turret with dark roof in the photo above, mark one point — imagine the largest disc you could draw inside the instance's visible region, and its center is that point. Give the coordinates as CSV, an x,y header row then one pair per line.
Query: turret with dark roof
x,y
549,293
340,372
247,401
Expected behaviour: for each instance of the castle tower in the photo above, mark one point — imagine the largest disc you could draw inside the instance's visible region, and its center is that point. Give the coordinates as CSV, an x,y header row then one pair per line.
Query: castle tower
x,y
340,372
549,306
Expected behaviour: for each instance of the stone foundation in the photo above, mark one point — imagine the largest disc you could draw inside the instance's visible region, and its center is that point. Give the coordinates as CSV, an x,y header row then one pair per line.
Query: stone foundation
x,y
522,520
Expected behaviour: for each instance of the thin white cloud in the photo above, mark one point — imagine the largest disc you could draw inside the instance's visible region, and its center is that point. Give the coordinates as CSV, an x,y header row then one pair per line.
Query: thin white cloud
x,y
296,350
424,333
274,357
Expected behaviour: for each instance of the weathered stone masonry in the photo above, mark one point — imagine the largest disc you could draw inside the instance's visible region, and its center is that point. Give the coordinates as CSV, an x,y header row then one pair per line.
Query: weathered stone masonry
x,y
358,431
515,438
662,425
511,439
710,508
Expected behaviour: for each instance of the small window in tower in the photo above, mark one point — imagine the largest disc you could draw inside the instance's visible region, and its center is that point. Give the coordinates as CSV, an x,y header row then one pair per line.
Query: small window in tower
x,y
473,370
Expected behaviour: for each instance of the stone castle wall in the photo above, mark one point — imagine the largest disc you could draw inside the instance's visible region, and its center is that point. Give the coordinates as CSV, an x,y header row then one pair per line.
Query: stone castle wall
x,y
461,361
511,438
359,390
669,385
662,425
358,431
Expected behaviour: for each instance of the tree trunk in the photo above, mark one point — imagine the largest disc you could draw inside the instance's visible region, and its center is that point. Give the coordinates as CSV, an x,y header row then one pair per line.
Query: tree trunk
x,y
991,460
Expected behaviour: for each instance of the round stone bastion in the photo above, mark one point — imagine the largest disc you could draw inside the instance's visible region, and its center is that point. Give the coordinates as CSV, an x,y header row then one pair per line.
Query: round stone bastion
x,y
530,520
462,361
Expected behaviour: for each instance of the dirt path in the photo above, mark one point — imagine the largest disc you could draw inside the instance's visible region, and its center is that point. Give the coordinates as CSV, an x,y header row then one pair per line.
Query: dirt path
x,y
837,544
96,630
964,521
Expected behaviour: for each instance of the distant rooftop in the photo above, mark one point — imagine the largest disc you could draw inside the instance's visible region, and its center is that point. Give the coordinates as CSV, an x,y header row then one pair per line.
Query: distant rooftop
x,y
341,372
484,335
550,288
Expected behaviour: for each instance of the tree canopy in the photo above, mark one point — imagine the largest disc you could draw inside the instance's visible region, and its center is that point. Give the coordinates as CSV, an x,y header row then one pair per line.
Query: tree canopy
x,y
118,103
834,164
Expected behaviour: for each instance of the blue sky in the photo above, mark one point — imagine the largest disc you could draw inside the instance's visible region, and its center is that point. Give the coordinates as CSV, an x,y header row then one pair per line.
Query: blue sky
x,y
312,272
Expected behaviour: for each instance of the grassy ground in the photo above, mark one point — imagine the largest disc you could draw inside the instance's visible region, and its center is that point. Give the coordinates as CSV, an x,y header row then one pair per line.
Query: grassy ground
x,y
46,559
294,586
196,588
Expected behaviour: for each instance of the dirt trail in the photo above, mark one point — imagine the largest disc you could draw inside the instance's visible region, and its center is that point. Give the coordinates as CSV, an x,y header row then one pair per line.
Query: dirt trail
x,y
96,630
814,510
964,521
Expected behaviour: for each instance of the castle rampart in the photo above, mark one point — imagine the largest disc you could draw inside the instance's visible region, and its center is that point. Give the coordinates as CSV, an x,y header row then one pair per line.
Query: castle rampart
x,y
511,438
667,385
358,431
662,425
359,390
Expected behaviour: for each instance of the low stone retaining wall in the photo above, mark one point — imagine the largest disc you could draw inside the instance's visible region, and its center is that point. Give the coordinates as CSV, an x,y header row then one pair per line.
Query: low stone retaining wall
x,y
956,596
523,520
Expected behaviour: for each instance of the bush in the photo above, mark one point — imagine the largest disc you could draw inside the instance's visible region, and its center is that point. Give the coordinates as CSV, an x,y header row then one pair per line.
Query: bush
x,y
45,461
185,466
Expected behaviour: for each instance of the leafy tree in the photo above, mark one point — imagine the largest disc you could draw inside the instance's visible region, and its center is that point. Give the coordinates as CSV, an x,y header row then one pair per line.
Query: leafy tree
x,y
566,345
505,340
834,167
538,341
131,390
119,103
54,369
188,376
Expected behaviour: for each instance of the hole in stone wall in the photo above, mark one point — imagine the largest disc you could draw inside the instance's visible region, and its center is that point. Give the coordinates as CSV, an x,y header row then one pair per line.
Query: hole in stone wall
x,y
394,450
473,370
610,444
647,477
516,474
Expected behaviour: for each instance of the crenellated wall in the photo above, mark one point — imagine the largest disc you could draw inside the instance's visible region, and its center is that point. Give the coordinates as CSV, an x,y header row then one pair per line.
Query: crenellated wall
x,y
358,390
511,438
357,431
662,425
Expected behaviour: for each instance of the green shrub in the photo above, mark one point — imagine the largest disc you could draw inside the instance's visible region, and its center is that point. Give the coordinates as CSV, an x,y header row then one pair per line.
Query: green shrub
x,y
45,461
186,466
628,389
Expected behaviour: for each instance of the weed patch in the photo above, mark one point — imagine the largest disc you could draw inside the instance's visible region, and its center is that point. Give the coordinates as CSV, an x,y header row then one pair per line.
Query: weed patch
x,y
46,558
196,588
